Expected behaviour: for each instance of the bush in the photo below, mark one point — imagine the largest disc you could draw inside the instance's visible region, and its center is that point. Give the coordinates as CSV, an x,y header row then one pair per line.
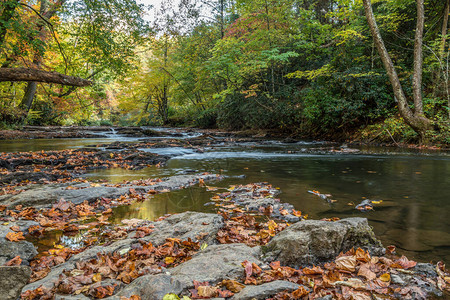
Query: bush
x,y
206,119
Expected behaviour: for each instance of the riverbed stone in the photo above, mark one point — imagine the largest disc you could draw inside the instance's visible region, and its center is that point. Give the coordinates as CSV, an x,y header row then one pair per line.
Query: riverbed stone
x,y
216,263
312,242
151,287
201,227
12,280
265,290
45,195
9,250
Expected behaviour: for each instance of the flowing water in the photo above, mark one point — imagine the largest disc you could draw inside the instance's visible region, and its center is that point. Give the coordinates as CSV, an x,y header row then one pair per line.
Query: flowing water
x,y
413,186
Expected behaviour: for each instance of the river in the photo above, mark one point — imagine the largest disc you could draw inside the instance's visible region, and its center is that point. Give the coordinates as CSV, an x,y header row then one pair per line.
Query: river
x,y
413,186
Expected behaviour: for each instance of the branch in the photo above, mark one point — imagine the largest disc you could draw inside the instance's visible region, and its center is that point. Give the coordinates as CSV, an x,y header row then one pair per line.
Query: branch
x,y
50,26
24,74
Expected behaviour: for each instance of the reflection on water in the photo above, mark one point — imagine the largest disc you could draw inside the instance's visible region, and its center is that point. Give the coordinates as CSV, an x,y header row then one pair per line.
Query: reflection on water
x,y
167,203
413,215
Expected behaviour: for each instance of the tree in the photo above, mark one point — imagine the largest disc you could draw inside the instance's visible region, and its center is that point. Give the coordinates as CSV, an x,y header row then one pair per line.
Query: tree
x,y
99,36
416,117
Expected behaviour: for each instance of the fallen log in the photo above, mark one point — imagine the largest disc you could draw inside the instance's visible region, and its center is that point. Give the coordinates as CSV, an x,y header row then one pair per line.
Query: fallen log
x,y
25,74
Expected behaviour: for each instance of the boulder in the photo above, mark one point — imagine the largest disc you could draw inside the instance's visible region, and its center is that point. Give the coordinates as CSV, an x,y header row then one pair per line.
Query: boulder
x,y
9,250
151,287
312,242
216,263
196,226
12,280
265,290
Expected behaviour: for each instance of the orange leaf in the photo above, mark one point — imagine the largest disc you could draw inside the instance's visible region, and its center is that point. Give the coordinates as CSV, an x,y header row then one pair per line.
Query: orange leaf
x,y
15,236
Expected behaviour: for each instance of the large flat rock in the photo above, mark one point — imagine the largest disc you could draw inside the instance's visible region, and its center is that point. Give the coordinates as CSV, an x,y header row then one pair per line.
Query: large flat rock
x,y
45,195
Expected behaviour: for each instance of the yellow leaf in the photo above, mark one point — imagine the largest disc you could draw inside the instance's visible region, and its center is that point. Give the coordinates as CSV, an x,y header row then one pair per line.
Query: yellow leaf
x,y
385,277
97,277
169,260
203,246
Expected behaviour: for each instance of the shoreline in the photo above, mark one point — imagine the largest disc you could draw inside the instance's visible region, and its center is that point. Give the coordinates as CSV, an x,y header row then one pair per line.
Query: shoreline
x,y
93,132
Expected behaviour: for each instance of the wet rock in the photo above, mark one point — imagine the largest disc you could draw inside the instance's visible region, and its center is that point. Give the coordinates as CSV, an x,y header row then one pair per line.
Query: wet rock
x,y
71,297
428,270
12,280
196,226
200,227
265,290
151,287
9,250
216,263
17,177
311,242
45,195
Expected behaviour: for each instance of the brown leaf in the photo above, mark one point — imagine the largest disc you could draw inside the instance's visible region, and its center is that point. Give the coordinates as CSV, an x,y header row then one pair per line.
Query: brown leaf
x,y
365,271
404,263
300,292
233,285
207,291
346,263
16,261
313,271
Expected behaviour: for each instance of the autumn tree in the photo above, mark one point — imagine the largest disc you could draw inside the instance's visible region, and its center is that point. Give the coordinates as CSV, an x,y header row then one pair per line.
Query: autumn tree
x,y
413,117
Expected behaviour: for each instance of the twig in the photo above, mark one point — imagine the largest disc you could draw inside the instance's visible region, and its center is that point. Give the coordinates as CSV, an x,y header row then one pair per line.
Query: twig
x,y
50,25
392,137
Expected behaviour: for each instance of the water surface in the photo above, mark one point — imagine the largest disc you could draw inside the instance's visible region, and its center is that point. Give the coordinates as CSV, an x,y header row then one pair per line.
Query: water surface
x,y
413,185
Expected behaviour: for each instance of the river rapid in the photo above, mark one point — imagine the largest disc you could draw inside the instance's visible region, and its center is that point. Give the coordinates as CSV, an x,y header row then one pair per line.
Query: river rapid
x,y
410,188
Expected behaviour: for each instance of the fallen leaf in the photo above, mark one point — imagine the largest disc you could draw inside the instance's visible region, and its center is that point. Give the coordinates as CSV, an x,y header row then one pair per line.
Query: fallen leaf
x,y
233,285
16,261
346,263
15,236
386,277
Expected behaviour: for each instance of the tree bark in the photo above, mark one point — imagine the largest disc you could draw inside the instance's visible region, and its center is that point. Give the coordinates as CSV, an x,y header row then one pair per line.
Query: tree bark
x,y
418,60
416,120
27,99
442,50
24,74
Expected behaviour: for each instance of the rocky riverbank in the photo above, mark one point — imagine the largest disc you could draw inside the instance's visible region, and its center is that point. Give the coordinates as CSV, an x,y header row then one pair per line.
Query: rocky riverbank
x,y
253,247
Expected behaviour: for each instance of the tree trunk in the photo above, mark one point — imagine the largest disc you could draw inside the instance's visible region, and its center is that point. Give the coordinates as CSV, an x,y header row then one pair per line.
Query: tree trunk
x,y
416,120
25,74
418,61
442,51
27,99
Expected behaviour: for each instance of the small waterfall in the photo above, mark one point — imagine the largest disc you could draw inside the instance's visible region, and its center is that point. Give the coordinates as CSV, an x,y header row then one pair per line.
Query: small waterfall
x,y
113,132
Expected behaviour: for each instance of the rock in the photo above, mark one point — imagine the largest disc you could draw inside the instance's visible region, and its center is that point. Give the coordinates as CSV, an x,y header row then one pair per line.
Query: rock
x,y
265,290
71,297
9,250
196,226
12,280
183,226
152,287
45,195
311,242
216,263
397,279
